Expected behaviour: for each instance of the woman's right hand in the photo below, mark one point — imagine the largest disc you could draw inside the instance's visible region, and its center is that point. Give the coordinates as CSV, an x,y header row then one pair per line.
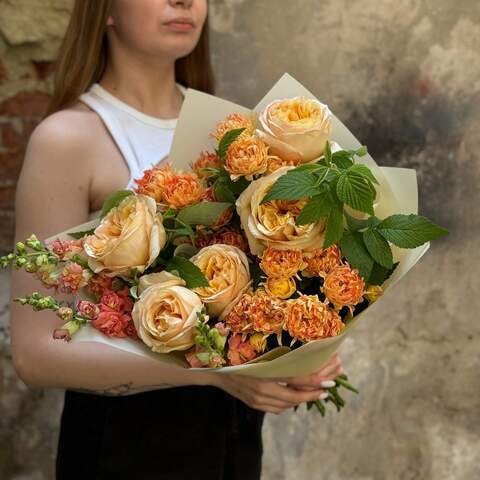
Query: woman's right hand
x,y
275,395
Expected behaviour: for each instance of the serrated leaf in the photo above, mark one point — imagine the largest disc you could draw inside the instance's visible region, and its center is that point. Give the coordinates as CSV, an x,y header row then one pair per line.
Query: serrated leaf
x,y
309,167
342,159
185,250
334,228
352,246
354,190
227,139
187,270
204,213
114,200
379,274
409,231
318,207
363,170
79,235
378,248
293,185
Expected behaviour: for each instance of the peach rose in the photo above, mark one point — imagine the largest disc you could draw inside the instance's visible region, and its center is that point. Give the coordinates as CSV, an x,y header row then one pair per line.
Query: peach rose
x,y
296,129
130,236
226,269
165,315
272,224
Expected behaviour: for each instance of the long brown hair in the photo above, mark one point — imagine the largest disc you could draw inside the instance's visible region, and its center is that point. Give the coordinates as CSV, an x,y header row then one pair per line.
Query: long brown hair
x,y
83,55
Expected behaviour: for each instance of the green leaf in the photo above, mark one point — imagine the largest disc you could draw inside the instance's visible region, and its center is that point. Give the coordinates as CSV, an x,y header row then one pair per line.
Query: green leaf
x,y
379,274
309,167
227,139
318,207
378,248
204,213
79,235
363,170
354,190
185,250
187,270
114,200
409,231
357,255
355,224
334,228
293,185
342,159
223,193
237,186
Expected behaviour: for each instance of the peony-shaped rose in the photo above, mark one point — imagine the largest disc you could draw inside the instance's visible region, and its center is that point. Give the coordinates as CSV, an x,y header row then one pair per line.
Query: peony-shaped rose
x,y
308,318
246,157
272,224
165,315
226,269
182,189
296,129
281,263
130,236
344,287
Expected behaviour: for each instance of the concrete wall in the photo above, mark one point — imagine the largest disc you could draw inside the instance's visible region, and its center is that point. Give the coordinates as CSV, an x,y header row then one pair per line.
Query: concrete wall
x,y
404,75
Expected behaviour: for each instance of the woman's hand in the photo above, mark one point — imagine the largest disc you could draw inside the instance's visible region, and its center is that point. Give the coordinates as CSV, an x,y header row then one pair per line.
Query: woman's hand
x,y
275,395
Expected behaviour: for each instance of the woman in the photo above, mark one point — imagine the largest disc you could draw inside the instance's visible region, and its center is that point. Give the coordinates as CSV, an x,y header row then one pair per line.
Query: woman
x,y
122,71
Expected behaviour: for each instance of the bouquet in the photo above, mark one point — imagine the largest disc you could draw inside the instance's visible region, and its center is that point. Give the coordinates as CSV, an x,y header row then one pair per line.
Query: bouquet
x,y
257,253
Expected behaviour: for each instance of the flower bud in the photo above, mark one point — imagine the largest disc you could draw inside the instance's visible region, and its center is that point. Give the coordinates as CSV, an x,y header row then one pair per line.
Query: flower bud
x,y
33,243
65,313
20,247
258,341
373,293
31,267
20,262
41,260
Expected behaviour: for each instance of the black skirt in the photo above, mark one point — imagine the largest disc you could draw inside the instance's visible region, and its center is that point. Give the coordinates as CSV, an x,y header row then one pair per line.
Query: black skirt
x,y
178,433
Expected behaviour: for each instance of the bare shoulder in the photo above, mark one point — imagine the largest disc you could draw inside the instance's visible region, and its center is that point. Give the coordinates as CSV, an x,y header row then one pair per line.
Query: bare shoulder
x,y
73,130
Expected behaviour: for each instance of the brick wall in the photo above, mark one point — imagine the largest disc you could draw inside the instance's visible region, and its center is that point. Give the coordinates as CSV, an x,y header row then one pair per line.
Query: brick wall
x,y
27,51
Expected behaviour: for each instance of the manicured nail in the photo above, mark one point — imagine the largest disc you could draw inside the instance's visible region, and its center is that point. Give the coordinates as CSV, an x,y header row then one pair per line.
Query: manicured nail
x,y
327,384
323,396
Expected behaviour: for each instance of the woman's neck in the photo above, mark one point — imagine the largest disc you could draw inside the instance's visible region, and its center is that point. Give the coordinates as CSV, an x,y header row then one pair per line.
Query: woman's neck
x,y
145,84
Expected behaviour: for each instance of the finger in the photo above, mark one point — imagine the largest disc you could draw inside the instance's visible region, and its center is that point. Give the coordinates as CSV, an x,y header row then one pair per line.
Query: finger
x,y
291,395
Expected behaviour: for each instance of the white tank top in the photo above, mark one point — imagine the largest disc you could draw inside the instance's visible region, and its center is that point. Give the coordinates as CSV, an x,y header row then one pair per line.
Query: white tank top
x,y
143,140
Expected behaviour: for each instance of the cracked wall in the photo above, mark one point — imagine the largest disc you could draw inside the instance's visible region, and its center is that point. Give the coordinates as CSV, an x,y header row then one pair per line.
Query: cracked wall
x,y
404,75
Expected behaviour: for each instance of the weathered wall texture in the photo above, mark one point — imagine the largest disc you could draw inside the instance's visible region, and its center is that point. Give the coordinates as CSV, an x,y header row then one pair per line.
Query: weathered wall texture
x,y
404,75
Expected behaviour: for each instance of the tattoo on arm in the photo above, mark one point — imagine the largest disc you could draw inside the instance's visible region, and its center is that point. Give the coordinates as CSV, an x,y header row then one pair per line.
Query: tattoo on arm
x,y
123,389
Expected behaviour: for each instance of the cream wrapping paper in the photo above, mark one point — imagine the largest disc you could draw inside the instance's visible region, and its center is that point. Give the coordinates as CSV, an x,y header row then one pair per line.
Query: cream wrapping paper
x,y
397,194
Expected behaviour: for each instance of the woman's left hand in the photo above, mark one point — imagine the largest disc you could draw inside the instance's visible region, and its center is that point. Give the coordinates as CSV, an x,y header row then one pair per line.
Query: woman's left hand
x,y
322,378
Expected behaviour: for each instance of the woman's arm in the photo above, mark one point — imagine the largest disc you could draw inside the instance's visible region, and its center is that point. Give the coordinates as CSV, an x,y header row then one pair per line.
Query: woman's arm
x,y
53,195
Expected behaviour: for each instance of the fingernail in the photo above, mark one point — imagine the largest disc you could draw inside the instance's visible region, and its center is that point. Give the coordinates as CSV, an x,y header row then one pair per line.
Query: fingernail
x,y
327,384
323,396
